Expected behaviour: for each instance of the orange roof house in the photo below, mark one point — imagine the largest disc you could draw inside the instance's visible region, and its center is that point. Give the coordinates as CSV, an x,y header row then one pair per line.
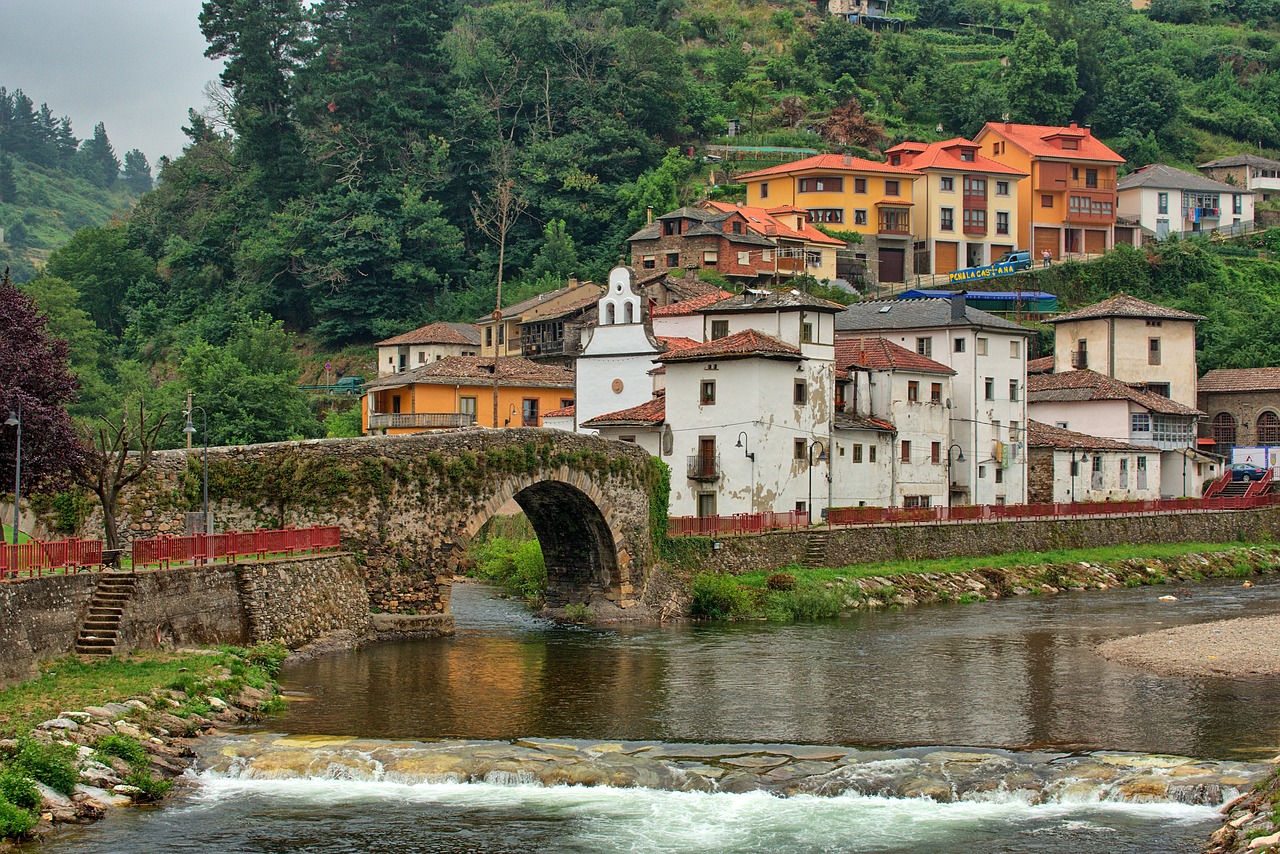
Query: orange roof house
x,y
1068,205
458,392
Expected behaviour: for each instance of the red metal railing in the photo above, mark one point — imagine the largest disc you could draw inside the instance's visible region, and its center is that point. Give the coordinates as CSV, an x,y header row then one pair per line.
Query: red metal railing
x,y
850,516
34,558
200,548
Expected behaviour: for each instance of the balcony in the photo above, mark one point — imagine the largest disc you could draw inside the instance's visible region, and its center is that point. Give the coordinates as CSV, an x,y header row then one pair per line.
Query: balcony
x,y
1080,360
1086,217
1094,184
975,228
420,420
1201,214
896,225
975,201
704,467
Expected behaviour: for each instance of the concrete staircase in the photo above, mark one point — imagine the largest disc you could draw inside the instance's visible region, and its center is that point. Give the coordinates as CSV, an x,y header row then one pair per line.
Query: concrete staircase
x,y
101,628
815,551
1234,489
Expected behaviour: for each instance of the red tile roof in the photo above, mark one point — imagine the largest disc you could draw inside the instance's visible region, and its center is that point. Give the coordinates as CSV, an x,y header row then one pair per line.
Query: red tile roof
x,y
828,163
1043,365
562,412
741,345
1123,305
512,371
436,333
651,412
689,306
677,342
1037,140
946,155
766,221
880,354
1043,436
862,422
1085,385
1241,379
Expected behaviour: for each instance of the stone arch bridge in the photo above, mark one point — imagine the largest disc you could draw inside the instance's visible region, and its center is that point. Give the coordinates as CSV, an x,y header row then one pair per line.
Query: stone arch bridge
x,y
408,505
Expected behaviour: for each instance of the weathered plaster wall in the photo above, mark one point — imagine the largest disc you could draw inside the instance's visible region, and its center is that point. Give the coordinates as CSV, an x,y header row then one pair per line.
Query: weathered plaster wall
x,y
873,544
408,504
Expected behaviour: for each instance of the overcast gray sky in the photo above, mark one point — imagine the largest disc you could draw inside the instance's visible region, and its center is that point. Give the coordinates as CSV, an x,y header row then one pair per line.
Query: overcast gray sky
x,y
135,65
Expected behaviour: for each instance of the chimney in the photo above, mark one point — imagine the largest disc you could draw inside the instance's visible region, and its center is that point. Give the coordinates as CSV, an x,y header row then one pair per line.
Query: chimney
x,y
648,215
1074,126
573,282
957,306
848,160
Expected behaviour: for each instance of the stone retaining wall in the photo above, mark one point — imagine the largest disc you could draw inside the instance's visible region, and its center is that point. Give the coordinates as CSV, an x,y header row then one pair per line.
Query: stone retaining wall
x,y
874,544
39,619
299,600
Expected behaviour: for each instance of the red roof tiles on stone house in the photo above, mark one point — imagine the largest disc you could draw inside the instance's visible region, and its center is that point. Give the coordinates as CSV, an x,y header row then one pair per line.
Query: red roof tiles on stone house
x,y
1041,435
690,306
1227,380
436,333
829,162
1124,305
1085,385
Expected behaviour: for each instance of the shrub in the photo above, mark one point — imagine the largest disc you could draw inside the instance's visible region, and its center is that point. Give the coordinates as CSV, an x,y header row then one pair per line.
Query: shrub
x,y
125,747
718,597
808,602
15,821
151,786
268,656
17,789
51,764
781,581
577,613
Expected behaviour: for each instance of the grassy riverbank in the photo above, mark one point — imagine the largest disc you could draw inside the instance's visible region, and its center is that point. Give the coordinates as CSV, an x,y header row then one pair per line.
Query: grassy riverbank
x,y
801,593
114,707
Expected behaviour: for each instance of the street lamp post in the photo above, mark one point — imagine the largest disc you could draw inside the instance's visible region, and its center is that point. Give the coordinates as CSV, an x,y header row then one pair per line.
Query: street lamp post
x,y
742,443
816,443
1084,458
959,458
15,420
190,429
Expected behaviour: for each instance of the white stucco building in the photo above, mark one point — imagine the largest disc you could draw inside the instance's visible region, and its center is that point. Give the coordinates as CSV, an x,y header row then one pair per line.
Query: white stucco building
x,y
613,368
987,408
1165,200
425,345
1066,466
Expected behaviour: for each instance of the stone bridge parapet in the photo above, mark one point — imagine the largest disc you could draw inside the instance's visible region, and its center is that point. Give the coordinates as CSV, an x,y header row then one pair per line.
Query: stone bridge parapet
x,y
408,505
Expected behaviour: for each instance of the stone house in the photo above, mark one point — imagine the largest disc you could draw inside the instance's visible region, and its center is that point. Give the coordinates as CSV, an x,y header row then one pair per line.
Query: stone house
x,y
1243,408
693,238
546,327
1065,466
987,408
801,248
1136,342
426,344
1258,175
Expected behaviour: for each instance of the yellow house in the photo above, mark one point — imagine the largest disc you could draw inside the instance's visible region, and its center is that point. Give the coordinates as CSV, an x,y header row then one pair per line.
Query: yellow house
x,y
1068,205
458,391
967,211
851,194
537,326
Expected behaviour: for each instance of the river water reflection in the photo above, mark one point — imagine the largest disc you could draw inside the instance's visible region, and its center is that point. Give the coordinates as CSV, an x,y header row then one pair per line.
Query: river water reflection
x,y
1016,673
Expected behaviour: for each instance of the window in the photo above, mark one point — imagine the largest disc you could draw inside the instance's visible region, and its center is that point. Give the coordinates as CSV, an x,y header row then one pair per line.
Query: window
x,y
935,392
1013,390
966,155
1162,203
895,160
1268,428
891,188
467,406
566,401
631,439
1071,145
1155,323
673,259
710,256
737,227
671,227
488,336
906,451
1002,188
871,453
990,386
1237,204
1089,206
649,262
859,217
947,219
856,453
706,504
1124,472
744,259
1065,425
800,393
821,185
924,346
913,392
1013,431
395,403
835,215
1161,389
1015,349
982,346
975,187
1224,431
764,189
975,220
719,329
799,449
999,474
959,345
708,393
916,502
806,332
529,411
947,184
935,452
859,185
1002,222
502,335
995,430
982,471
1046,200
1153,351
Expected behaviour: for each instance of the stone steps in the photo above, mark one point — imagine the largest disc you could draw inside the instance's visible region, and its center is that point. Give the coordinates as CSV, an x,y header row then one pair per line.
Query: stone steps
x,y
100,629
815,552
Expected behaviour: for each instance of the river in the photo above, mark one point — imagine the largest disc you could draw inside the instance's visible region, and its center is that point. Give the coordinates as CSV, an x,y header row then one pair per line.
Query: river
x,y
752,737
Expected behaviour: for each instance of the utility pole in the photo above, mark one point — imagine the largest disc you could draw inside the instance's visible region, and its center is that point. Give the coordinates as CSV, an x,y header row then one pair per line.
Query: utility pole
x,y
188,409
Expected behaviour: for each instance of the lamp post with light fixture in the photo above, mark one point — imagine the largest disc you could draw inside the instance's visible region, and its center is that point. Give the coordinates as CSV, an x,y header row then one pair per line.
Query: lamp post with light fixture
x,y
742,443
816,443
959,458
1084,458
15,420
190,429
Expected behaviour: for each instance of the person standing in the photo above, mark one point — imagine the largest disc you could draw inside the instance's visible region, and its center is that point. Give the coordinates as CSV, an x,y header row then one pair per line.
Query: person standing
x,y
1046,257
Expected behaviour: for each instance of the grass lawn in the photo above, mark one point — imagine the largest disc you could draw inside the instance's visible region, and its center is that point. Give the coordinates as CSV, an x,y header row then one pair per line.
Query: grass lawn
x,y
1103,554
8,535
68,683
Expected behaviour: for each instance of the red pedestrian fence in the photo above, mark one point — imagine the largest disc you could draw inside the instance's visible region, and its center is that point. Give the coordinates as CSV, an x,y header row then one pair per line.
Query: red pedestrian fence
x,y
35,558
754,523
201,548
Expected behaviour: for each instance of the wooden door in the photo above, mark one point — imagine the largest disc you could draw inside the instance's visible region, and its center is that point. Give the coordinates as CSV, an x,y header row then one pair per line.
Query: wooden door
x,y
1095,242
1044,238
892,265
947,252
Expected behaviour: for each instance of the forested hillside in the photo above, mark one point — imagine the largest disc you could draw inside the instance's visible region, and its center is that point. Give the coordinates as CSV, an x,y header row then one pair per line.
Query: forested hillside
x,y
374,166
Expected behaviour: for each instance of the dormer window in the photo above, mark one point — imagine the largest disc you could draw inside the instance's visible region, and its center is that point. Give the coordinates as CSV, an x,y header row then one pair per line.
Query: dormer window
x,y
966,154
737,228
1070,144
895,160
671,227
